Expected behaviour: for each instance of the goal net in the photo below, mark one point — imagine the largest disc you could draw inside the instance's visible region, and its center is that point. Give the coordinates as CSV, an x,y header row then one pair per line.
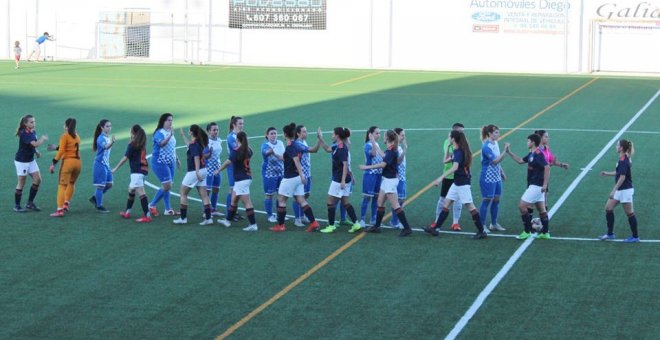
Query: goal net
x,y
625,46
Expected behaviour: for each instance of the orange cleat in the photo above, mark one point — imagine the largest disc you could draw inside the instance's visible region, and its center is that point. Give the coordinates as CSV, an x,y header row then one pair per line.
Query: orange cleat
x,y
125,214
153,211
278,228
58,213
314,226
144,219
456,227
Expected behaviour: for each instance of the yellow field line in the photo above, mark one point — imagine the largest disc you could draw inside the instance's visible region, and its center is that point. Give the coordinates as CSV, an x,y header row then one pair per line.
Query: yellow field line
x,y
357,78
360,236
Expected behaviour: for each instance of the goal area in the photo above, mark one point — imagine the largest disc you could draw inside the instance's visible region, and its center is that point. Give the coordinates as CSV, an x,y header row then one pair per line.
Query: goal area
x,y
625,46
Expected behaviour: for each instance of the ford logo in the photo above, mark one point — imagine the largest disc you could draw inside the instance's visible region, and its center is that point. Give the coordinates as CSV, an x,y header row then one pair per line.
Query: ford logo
x,y
486,16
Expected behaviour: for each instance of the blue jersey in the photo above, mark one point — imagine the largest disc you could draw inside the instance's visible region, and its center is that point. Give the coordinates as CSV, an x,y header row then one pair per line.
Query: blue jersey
x,y
624,168
401,168
41,39
535,167
232,143
164,154
137,160
242,166
490,173
371,160
290,152
390,159
462,175
305,160
213,162
26,150
195,149
102,154
272,167
340,154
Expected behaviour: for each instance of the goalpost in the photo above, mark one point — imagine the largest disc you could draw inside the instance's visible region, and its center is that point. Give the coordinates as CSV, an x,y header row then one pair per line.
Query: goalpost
x,y
625,46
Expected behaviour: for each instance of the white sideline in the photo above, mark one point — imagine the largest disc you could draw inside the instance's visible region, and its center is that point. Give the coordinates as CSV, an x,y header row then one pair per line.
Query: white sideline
x,y
516,256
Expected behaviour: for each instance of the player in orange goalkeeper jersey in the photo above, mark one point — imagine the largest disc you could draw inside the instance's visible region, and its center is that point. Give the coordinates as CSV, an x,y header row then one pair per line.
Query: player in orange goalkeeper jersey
x,y
69,152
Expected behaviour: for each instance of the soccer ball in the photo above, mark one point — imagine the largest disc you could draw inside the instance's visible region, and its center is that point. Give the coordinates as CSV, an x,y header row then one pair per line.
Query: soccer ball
x,y
536,224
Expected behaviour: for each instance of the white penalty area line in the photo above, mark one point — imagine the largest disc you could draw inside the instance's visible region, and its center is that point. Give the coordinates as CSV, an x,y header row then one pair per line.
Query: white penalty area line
x,y
523,247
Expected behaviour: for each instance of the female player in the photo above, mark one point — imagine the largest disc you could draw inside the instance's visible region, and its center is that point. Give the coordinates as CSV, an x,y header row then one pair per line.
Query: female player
x,y
372,177
448,148
163,159
69,152
25,162
622,192
306,163
460,189
491,176
340,185
236,125
212,164
239,159
102,174
272,169
388,187
402,149
293,183
136,155
538,174
550,158
196,175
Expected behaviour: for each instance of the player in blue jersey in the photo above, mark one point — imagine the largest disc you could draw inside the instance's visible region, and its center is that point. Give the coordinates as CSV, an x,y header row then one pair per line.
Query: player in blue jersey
x,y
136,155
538,174
163,162
272,169
459,191
37,46
212,164
102,174
622,192
491,176
293,183
341,180
196,174
25,162
306,163
371,178
402,149
239,159
236,125
389,184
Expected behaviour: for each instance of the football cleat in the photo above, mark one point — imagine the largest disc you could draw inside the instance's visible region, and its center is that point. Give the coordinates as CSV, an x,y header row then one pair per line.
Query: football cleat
x,y
251,227
58,213
329,229
125,214
144,219
180,221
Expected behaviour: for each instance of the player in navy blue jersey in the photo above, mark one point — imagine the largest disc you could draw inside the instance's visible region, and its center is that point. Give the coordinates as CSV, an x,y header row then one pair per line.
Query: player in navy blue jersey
x,y
491,177
239,160
372,177
196,175
25,161
401,188
622,192
306,163
136,155
293,183
102,174
538,174
236,125
272,169
388,186
163,163
460,189
342,178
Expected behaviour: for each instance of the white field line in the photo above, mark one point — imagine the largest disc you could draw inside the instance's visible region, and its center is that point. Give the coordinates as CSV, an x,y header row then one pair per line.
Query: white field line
x,y
523,247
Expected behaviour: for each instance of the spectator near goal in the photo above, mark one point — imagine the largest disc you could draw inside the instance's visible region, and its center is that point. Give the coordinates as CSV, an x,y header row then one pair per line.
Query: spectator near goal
x,y
37,46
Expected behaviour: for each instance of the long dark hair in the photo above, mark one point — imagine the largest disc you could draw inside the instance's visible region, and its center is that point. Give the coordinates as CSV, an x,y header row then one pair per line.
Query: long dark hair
x,y
535,138
487,130
70,124
392,137
22,123
299,130
161,120
97,131
627,147
200,135
243,151
289,131
459,138
342,133
139,137
232,122
371,130
268,131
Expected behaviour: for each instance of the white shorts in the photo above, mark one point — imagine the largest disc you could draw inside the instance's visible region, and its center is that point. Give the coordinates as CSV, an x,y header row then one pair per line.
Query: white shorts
x,y
137,181
625,195
291,187
23,169
388,185
190,180
242,188
336,190
460,194
37,48
533,194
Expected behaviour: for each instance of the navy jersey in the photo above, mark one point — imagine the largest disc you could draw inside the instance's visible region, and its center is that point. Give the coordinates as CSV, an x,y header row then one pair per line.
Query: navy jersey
x,y
462,175
623,168
137,159
290,152
339,156
195,149
241,167
25,153
390,159
535,167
